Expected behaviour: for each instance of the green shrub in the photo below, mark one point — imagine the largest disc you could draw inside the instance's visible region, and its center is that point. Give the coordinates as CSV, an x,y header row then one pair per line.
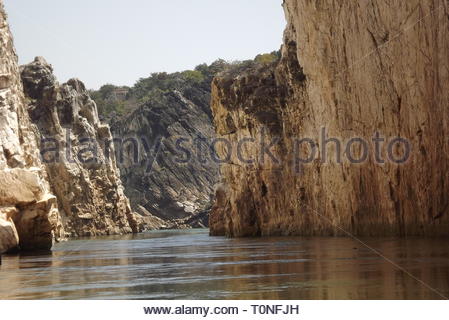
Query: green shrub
x,y
193,75
266,58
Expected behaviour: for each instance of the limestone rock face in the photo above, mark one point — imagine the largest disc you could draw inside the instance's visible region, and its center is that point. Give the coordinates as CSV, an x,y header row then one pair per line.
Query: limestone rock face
x,y
29,217
9,239
78,153
354,68
156,170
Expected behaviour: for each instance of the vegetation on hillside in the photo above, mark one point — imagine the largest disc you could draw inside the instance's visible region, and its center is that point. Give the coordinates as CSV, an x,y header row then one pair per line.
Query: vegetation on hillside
x,y
115,101
107,101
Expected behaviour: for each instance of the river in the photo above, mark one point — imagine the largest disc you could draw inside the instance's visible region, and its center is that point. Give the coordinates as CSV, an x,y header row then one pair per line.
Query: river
x,y
192,265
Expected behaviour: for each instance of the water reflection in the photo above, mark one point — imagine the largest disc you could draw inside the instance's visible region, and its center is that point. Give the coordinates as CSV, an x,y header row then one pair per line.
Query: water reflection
x,y
191,265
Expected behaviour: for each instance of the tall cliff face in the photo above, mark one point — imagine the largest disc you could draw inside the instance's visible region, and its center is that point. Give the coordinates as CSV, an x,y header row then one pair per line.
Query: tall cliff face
x,y
29,217
354,68
78,153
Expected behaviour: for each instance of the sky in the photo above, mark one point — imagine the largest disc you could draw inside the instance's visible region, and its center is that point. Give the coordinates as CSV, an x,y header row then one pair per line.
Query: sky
x,y
120,41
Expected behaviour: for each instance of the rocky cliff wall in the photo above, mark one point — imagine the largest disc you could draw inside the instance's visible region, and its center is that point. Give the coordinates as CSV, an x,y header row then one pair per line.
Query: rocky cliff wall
x,y
78,153
353,68
29,217
58,172
159,152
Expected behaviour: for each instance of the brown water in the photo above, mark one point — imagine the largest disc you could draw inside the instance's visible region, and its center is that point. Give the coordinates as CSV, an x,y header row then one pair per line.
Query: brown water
x,y
191,265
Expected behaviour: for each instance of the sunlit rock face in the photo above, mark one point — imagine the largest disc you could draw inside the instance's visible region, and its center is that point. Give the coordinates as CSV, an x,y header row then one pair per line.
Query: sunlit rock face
x,y
354,68
78,154
29,218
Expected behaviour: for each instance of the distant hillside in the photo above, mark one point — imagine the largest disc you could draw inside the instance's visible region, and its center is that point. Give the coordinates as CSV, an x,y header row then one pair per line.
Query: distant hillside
x,y
115,101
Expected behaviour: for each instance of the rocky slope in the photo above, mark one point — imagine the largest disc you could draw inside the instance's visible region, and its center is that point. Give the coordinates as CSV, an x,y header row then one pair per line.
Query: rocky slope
x,y
355,68
29,217
155,169
78,153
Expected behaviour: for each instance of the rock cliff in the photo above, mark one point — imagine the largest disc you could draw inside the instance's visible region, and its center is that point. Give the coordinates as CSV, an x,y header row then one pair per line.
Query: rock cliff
x,y
160,168
78,153
58,172
29,217
353,69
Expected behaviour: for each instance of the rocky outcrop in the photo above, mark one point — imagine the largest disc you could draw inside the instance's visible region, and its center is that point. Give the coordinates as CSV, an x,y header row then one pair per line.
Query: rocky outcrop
x,y
9,239
78,153
158,150
29,217
354,68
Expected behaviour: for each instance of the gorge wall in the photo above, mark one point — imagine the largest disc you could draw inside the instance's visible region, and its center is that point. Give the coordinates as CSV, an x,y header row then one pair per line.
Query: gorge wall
x,y
159,177
354,68
78,153
73,187
29,215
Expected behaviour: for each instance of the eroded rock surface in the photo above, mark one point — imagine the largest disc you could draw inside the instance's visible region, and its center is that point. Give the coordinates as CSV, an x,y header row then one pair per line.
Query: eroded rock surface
x,y
29,217
355,68
160,167
9,239
78,153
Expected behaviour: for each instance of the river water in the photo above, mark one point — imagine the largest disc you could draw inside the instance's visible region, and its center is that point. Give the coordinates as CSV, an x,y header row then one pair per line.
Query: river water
x,y
192,265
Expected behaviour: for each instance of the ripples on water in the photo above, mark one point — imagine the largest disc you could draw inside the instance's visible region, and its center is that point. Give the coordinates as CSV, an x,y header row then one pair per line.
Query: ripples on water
x,y
191,265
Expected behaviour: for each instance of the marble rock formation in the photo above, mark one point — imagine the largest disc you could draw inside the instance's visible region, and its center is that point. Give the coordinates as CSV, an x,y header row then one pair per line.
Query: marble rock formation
x,y
29,217
353,68
78,154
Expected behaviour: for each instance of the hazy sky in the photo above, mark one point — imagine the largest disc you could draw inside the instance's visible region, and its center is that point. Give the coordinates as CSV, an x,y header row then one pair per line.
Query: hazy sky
x,y
119,41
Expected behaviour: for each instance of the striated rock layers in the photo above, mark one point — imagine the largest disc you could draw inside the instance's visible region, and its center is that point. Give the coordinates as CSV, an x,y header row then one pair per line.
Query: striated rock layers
x,y
158,147
353,68
78,153
29,217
